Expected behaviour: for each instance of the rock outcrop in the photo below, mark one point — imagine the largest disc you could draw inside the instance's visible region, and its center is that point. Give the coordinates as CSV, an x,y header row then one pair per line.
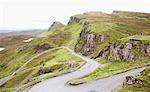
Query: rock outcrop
x,y
145,49
36,48
74,19
125,51
56,25
41,48
43,70
88,41
122,51
131,80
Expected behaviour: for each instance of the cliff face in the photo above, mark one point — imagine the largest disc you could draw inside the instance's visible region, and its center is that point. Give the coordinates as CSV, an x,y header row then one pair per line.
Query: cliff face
x,y
126,51
88,40
122,51
98,30
145,49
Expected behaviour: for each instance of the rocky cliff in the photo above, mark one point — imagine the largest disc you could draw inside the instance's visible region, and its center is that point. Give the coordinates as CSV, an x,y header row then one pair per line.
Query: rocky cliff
x,y
88,40
100,33
126,51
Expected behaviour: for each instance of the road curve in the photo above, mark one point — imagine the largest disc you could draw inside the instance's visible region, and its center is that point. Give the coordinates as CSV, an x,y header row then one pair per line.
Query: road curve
x,y
51,85
58,84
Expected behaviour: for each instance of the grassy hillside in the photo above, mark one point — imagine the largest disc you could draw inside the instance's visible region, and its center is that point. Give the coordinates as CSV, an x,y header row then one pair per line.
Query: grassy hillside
x,y
55,62
107,38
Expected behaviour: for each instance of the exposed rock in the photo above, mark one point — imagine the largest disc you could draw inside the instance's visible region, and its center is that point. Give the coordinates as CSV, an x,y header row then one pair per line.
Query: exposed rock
x,y
88,41
122,51
129,80
41,48
127,51
25,48
56,25
36,48
43,70
145,49
148,50
74,19
61,69
71,64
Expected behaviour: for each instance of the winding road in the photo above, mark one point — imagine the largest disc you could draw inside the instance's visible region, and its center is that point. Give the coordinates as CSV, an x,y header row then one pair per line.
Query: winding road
x,y
59,84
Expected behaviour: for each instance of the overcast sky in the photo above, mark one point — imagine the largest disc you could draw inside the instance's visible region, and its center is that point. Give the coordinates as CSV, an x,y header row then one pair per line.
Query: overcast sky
x,y
39,14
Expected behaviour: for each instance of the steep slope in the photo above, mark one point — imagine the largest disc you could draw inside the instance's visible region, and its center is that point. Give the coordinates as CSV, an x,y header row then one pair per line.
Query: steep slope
x,y
101,29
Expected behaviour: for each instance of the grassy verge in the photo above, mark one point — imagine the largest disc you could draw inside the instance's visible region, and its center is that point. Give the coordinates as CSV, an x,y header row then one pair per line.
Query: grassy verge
x,y
108,70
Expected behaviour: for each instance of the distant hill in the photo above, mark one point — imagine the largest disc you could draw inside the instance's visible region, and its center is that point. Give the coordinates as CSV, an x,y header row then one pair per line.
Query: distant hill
x,y
23,32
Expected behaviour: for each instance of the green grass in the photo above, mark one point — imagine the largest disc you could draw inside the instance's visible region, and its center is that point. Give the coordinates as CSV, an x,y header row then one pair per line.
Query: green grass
x,y
142,38
11,59
133,15
10,67
75,30
100,27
